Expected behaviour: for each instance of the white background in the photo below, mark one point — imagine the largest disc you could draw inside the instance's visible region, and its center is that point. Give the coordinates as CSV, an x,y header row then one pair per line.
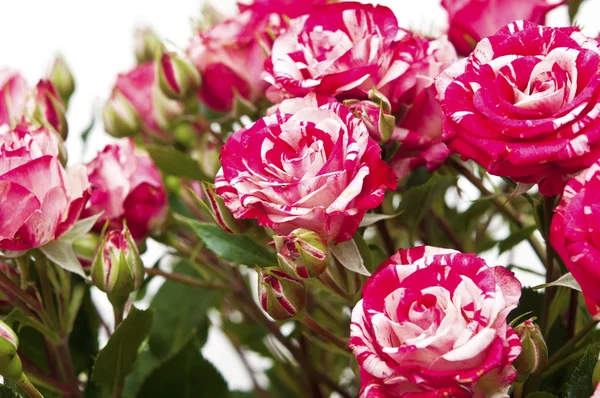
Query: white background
x,y
96,37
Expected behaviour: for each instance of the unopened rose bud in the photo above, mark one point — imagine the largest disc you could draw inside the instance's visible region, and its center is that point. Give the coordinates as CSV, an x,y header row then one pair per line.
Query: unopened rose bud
x,y
220,213
379,123
280,295
165,110
147,45
302,254
120,117
10,364
118,269
62,79
177,77
49,109
534,353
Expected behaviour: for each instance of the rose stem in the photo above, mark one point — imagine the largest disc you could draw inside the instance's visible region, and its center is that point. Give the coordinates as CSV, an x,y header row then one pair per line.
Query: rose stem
x,y
326,334
186,280
504,208
448,231
573,305
67,370
548,293
384,233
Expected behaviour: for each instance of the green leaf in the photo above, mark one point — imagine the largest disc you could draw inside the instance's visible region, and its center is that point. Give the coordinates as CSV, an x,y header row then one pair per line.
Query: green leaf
x,y
372,218
365,253
236,248
580,385
557,306
116,359
567,280
417,201
144,365
516,238
541,394
184,375
176,163
83,341
179,310
348,254
6,392
530,303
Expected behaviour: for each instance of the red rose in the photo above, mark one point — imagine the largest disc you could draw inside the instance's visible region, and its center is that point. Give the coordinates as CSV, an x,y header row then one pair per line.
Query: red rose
x,y
525,104
575,233
472,20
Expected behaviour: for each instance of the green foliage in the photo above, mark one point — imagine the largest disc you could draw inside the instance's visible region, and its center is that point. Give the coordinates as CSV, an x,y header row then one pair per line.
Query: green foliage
x,y
186,374
236,248
541,394
83,342
6,392
178,311
580,385
417,201
173,162
115,361
144,365
515,238
574,8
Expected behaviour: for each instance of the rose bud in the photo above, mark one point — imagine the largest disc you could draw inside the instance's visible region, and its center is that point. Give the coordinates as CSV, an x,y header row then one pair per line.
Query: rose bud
x,y
147,45
119,116
535,352
49,109
62,79
117,269
220,213
302,254
379,123
177,77
85,249
280,295
10,364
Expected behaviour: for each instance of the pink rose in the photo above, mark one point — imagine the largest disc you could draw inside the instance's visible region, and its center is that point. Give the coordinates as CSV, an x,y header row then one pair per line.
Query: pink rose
x,y
139,86
40,200
129,187
345,49
289,8
525,104
420,136
432,322
472,20
309,165
230,57
575,233
13,96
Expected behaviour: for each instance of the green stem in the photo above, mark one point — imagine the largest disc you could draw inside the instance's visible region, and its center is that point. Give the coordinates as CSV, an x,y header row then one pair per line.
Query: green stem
x,y
550,277
504,208
518,389
65,364
326,334
565,349
41,266
187,280
28,387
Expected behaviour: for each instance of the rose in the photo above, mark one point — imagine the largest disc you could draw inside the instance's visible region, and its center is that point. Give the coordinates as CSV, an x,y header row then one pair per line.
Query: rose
x,y
128,186
13,96
575,233
472,20
524,104
309,165
137,91
432,322
420,136
288,8
40,200
230,57
346,49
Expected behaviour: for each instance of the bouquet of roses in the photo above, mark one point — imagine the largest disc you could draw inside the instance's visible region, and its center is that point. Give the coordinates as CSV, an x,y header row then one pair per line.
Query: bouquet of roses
x,y
331,191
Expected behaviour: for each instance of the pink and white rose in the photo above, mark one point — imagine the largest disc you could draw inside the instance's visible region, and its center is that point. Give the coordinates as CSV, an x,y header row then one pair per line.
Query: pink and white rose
x,y
311,165
525,104
472,20
345,49
127,186
432,323
575,233
13,96
139,87
287,8
230,57
40,199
